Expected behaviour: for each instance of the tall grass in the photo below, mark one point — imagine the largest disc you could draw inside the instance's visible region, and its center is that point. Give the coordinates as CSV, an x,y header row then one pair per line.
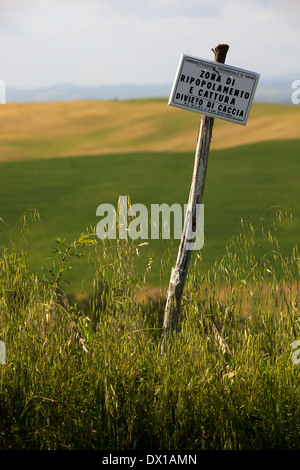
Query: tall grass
x,y
96,378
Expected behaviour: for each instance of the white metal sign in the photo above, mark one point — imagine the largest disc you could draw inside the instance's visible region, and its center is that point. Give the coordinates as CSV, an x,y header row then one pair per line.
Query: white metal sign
x,y
215,89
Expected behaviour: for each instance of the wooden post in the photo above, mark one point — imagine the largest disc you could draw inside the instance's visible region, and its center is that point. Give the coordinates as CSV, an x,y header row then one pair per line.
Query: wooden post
x,y
178,275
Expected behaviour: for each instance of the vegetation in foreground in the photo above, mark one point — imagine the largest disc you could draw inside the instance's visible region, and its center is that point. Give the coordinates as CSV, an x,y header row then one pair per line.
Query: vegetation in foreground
x,y
97,378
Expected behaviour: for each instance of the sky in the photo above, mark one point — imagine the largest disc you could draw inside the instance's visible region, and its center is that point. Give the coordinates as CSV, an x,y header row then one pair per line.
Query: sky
x,y
114,42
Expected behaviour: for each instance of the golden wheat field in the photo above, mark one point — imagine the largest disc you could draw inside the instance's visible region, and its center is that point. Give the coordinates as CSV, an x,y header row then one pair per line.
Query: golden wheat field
x,y
47,130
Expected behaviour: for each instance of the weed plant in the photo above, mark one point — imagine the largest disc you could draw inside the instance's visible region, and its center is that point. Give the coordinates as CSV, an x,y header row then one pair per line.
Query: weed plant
x,y
97,378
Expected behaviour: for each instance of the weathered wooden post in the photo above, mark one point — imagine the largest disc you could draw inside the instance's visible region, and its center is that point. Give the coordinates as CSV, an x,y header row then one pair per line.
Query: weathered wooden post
x,y
178,275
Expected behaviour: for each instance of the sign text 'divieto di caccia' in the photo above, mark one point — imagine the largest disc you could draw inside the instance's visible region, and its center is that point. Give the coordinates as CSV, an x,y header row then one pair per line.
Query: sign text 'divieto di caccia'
x,y
214,89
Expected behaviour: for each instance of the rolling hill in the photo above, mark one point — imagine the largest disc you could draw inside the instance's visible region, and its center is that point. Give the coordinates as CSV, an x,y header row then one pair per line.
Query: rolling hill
x,y
59,129
144,149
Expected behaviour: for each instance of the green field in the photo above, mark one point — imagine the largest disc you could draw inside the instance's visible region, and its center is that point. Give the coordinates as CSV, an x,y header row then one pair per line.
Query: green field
x,y
247,182
84,366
